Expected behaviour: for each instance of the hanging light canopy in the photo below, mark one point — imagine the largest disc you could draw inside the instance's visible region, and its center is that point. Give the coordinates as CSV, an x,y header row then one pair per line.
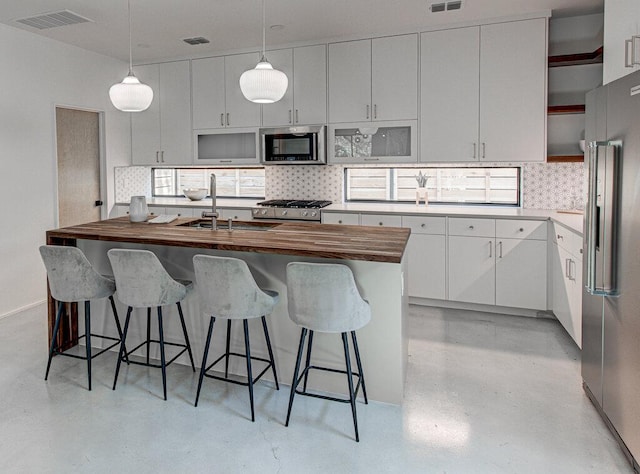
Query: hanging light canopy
x,y
131,95
263,84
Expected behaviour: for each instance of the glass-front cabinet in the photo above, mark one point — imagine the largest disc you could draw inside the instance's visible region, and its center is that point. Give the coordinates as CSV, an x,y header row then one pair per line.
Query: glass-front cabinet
x,y
373,142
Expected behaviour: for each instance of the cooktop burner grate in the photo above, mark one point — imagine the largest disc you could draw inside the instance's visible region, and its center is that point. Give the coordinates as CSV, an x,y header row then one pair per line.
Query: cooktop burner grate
x,y
295,204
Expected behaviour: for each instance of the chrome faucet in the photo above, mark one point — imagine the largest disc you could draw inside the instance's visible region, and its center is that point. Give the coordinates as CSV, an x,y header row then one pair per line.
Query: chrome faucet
x,y
214,211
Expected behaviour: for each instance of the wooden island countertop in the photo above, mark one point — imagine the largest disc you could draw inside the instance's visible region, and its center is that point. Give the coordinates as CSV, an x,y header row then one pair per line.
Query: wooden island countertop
x,y
375,244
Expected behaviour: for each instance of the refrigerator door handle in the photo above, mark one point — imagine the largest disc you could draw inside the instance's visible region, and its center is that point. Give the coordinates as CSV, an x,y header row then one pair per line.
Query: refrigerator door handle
x,y
601,217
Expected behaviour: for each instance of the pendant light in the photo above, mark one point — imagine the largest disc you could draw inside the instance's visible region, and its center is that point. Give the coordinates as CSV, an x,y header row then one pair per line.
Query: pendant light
x,y
263,84
131,95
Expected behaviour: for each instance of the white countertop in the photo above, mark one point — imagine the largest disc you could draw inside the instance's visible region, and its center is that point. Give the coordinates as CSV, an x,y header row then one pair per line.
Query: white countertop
x,y
569,219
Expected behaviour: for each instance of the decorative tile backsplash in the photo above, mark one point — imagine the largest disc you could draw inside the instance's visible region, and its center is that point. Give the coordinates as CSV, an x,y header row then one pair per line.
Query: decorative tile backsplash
x,y
545,185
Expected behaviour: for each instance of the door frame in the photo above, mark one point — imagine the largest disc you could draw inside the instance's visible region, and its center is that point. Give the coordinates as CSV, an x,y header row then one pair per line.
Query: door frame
x,y
102,158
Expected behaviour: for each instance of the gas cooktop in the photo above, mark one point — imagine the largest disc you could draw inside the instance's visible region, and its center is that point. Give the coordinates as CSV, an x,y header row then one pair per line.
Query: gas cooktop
x,y
289,209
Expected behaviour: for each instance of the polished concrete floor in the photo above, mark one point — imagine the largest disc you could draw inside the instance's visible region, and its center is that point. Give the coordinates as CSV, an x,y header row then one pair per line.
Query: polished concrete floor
x,y
485,394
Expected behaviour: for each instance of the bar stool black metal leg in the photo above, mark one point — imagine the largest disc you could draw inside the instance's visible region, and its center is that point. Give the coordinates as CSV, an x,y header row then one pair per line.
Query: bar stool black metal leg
x,y
87,337
306,367
249,375
273,364
148,333
162,358
203,369
226,359
352,396
122,349
360,371
186,336
118,327
54,338
294,382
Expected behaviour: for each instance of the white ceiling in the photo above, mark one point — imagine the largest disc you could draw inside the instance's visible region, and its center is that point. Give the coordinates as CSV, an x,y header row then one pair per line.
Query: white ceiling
x,y
159,26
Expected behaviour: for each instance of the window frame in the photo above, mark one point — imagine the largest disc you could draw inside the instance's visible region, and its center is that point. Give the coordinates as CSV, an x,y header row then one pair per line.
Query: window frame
x,y
224,196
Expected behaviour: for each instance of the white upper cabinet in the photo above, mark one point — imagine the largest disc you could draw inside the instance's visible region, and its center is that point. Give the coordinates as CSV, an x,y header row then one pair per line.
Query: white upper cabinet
x,y
450,97
162,133
513,106
489,102
305,102
217,99
373,79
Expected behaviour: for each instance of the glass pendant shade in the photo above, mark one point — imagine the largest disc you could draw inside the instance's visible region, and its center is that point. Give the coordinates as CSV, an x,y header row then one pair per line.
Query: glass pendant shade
x,y
131,95
263,84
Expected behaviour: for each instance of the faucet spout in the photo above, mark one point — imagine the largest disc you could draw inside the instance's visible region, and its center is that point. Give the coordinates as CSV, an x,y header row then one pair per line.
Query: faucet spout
x,y
214,211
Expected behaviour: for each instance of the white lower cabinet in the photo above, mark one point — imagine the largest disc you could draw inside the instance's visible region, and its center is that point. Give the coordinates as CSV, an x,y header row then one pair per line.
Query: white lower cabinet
x,y
236,214
341,218
566,271
426,256
521,273
378,220
472,269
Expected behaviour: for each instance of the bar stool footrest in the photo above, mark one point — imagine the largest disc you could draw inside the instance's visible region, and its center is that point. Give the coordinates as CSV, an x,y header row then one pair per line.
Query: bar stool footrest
x,y
127,359
327,397
93,356
234,381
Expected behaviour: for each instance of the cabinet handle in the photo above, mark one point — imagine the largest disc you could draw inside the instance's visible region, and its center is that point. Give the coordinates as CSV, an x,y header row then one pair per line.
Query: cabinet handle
x,y
157,157
289,115
484,149
475,145
567,269
222,119
367,111
228,123
521,229
490,248
380,223
500,255
423,225
559,237
226,161
471,227
162,156
297,118
340,221
572,266
375,111
371,159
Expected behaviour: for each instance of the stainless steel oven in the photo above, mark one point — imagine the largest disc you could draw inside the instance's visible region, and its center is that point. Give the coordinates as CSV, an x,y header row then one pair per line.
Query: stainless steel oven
x,y
293,145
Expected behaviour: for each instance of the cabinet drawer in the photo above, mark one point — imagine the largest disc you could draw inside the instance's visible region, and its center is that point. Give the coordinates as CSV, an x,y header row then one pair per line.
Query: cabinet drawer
x,y
236,214
425,225
384,220
472,227
568,240
521,229
339,218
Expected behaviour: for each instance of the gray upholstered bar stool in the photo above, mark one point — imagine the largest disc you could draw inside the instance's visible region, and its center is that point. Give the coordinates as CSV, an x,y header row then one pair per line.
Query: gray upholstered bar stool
x,y
143,282
324,298
73,279
227,290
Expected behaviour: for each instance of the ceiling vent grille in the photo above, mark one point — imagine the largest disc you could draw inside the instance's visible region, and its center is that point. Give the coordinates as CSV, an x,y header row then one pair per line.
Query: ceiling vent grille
x,y
445,6
53,20
196,40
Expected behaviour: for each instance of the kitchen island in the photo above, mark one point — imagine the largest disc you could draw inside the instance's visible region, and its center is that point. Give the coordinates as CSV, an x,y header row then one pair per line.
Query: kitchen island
x,y
375,255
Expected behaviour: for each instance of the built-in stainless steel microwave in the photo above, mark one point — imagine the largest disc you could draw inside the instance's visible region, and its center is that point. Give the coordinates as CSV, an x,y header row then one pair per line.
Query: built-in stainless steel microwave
x,y
293,145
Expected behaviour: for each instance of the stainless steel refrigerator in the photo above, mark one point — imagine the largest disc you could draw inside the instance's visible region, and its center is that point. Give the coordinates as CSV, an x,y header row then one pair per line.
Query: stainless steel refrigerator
x,y
611,297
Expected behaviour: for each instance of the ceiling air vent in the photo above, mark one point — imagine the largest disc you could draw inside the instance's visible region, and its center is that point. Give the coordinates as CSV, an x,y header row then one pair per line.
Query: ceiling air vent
x,y
197,40
53,20
445,6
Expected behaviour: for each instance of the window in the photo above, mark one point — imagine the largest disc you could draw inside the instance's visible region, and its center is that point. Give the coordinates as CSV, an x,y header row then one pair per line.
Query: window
x,y
498,186
231,182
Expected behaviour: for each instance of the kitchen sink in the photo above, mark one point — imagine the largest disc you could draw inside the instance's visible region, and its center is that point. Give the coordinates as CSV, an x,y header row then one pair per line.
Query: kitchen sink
x,y
236,225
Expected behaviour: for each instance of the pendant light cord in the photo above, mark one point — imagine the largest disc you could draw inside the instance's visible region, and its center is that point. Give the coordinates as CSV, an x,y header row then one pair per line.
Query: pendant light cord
x,y
264,35
130,54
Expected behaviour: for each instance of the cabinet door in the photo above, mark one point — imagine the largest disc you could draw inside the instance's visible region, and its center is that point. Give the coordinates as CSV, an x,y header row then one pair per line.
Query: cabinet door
x,y
145,126
175,113
472,269
567,292
513,68
381,220
521,273
236,214
281,112
207,83
350,81
426,260
310,84
449,95
394,78
240,111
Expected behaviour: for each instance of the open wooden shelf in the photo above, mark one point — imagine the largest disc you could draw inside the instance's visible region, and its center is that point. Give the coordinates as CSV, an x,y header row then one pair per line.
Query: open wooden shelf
x,y
565,159
595,57
565,109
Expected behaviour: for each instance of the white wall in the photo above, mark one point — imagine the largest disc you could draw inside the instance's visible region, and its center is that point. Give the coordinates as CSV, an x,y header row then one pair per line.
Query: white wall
x,y
38,74
621,22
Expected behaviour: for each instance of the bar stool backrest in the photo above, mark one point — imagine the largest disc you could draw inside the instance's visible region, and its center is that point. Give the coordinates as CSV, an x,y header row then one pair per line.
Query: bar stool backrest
x,y
227,289
142,281
71,277
324,297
